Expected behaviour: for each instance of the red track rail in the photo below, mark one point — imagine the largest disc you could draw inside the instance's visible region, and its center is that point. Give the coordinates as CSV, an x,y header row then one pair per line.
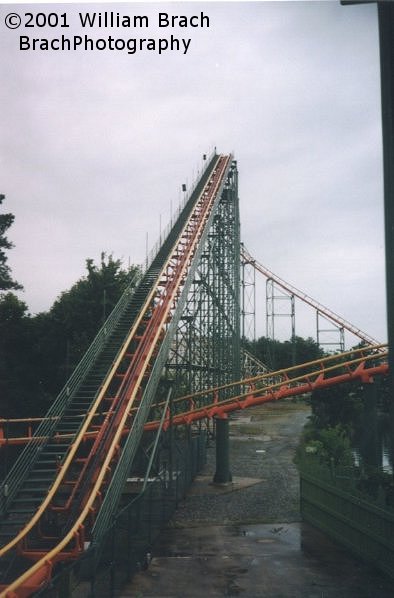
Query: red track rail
x,y
95,461
95,451
325,311
361,364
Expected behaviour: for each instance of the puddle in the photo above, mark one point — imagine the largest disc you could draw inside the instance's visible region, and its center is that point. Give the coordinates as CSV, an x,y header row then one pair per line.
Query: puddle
x,y
276,558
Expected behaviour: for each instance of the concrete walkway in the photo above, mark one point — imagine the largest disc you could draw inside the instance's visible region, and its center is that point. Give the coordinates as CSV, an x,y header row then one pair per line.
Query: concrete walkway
x,y
290,560
246,539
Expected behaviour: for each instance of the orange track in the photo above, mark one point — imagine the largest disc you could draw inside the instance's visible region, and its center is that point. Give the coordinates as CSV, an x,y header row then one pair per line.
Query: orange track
x,y
360,364
95,451
364,365
132,368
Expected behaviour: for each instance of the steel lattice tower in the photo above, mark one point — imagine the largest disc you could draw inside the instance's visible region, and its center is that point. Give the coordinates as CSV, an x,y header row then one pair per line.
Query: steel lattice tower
x,y
206,348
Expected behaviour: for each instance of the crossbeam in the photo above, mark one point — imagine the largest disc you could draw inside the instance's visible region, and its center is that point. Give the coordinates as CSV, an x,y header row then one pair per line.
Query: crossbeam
x,y
319,307
360,364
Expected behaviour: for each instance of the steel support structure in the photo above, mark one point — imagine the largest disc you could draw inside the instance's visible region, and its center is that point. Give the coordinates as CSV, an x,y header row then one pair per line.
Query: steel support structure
x,y
75,502
292,290
251,366
386,34
277,300
324,335
248,298
275,297
206,347
206,351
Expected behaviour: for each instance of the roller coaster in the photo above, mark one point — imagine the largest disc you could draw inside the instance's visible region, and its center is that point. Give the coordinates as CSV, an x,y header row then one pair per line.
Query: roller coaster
x,y
177,320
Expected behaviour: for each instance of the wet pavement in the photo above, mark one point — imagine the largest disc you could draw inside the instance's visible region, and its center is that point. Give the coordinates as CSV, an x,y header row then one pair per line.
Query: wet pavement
x,y
246,539
290,560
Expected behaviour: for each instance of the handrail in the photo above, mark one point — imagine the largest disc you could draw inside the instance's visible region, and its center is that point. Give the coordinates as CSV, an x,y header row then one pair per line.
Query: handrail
x,y
166,231
283,374
12,481
298,385
181,208
130,395
70,455
123,466
156,442
154,449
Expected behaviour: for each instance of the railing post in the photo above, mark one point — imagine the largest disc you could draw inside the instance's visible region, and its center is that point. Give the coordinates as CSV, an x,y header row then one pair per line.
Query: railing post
x,y
223,474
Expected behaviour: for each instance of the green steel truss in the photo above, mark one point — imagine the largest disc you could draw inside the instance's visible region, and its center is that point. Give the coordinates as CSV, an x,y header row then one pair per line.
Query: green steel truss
x,y
206,347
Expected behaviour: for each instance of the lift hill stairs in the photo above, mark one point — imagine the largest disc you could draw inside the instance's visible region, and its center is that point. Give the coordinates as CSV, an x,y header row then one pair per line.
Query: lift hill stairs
x,y
51,498
361,364
63,486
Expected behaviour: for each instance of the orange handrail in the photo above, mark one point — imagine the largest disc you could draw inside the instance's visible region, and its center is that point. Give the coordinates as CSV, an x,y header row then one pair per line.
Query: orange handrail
x,y
173,271
193,397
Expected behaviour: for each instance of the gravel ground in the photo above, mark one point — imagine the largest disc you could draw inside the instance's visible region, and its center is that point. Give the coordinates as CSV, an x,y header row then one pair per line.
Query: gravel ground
x,y
262,448
246,539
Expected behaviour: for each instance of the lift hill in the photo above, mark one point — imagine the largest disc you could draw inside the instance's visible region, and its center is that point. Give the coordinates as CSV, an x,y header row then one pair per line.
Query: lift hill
x,y
60,496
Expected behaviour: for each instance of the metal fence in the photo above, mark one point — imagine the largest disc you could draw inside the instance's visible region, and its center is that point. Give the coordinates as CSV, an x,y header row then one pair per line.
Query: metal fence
x,y
102,572
331,502
46,428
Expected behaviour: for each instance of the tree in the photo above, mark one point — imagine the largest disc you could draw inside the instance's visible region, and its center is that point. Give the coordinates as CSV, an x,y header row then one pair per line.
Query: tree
x,y
342,404
278,355
37,354
66,331
6,281
20,388
13,316
332,447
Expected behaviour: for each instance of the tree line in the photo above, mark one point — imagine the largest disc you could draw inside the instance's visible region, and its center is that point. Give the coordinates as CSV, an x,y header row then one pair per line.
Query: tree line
x,y
278,355
39,352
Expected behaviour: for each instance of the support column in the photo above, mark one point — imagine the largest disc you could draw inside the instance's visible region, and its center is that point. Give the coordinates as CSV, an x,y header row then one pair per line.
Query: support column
x,y
223,473
386,32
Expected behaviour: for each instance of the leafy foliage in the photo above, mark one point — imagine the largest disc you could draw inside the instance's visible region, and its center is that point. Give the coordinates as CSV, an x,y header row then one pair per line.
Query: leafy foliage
x,y
330,445
335,447
278,355
38,353
6,281
19,383
339,405
78,313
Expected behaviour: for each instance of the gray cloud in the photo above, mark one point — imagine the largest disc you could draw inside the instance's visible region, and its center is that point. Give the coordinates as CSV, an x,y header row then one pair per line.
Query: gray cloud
x,y
95,147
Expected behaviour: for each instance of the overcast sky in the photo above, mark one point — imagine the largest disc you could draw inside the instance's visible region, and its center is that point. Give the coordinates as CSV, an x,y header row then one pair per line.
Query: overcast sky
x,y
95,146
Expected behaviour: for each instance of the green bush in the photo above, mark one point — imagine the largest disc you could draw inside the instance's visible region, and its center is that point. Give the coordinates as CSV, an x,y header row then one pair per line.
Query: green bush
x,y
331,446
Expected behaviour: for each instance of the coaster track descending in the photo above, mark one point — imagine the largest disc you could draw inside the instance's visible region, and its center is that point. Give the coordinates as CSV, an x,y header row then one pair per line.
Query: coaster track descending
x,y
53,500
331,316
356,365
64,489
